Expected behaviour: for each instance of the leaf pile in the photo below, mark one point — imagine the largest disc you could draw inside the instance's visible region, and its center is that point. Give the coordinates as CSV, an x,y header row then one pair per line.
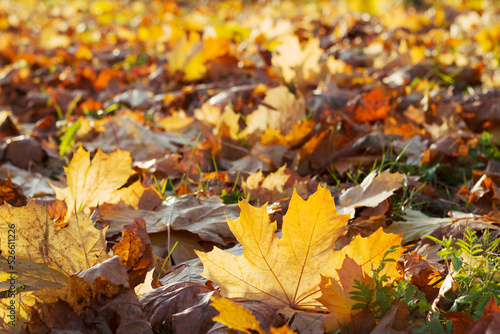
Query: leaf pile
x,y
271,167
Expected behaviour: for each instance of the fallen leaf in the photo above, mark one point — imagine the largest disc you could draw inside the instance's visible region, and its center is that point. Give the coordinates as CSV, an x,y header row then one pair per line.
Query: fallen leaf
x,y
375,106
76,247
11,193
100,181
280,272
183,305
273,187
239,318
372,191
204,217
99,297
92,183
135,251
282,109
235,316
335,295
374,248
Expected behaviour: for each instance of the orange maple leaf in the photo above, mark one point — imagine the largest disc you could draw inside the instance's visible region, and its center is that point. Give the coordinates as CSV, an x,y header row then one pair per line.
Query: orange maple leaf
x,y
375,106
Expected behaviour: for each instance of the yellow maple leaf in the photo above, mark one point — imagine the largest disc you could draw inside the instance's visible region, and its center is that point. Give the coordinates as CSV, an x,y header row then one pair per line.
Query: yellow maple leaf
x,y
90,184
374,248
76,247
280,272
272,188
15,311
281,109
238,318
235,316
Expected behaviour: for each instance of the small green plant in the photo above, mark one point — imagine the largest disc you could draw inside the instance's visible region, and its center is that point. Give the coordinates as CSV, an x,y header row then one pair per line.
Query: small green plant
x,y
488,147
376,296
68,138
476,266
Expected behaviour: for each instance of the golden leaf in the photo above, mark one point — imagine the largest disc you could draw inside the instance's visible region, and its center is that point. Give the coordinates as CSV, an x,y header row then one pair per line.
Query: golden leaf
x,y
238,318
76,247
280,272
90,184
235,316
368,252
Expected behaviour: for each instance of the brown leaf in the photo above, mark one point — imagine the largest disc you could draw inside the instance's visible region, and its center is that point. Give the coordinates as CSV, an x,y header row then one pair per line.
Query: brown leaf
x,y
11,193
372,191
135,251
24,152
183,305
394,321
95,300
204,217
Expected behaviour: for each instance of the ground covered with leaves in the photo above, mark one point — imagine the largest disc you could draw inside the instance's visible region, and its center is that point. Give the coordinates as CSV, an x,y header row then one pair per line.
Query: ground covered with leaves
x,y
278,167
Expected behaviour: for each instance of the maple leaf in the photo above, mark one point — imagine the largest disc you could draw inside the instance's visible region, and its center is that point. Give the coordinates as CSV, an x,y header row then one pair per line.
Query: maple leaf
x,y
281,109
375,106
235,316
274,187
238,318
335,295
374,248
98,182
39,240
280,272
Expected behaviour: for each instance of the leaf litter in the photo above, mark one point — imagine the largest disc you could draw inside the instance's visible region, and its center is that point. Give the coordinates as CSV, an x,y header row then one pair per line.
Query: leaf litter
x,y
266,165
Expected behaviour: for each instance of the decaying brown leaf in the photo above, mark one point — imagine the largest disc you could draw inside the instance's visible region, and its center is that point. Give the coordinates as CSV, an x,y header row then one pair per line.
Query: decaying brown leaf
x,y
135,251
182,305
96,300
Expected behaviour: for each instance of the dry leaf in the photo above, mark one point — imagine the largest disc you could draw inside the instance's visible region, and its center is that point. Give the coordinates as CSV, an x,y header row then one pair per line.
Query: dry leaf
x,y
96,298
371,192
273,187
375,106
76,247
373,249
183,305
135,251
90,184
282,109
335,295
235,316
239,318
280,272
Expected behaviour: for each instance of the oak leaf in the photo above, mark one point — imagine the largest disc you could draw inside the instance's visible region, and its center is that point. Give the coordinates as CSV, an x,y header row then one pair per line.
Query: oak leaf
x,y
280,272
